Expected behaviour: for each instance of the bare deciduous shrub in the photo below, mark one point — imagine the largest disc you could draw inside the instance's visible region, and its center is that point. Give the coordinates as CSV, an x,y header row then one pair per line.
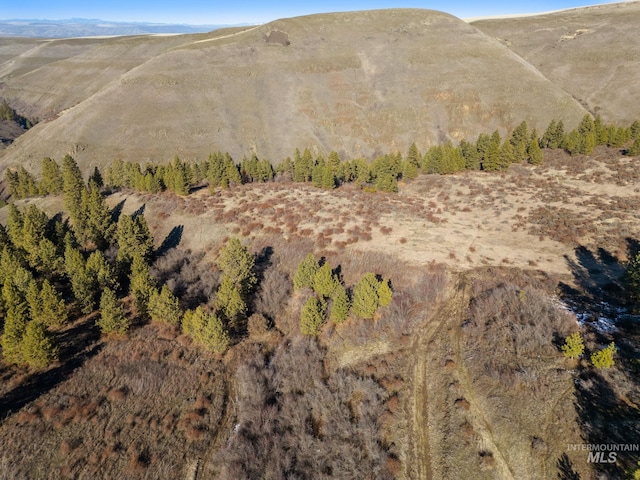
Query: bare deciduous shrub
x,y
295,423
188,278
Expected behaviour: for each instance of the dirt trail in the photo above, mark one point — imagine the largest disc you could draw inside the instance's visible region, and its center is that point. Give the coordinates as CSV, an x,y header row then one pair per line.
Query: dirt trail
x,y
422,430
476,414
200,469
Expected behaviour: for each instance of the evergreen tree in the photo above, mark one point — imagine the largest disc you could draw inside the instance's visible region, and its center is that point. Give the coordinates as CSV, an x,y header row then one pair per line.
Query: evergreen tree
x,y
134,238
141,285
634,150
302,166
340,305
604,358
324,281
305,273
520,141
229,301
15,222
470,155
213,336
236,262
365,300
312,317
99,225
72,189
286,169
492,160
232,174
634,129
164,307
534,153
206,329
47,260
53,311
37,347
112,318
385,294
99,268
83,282
328,178
631,278
573,346
180,178
34,227
216,171
15,321
51,183
507,155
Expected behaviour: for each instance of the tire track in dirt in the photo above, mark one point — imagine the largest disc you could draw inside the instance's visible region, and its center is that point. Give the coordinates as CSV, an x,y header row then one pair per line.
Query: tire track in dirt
x,y
220,436
421,449
476,416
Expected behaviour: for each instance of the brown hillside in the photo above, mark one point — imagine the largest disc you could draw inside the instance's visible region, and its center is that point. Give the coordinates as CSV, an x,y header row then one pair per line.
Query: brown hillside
x,y
357,83
592,53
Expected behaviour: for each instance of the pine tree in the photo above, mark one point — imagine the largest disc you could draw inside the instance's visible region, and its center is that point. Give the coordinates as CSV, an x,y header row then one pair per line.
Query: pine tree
x,y
164,307
53,311
385,294
470,155
15,321
365,300
229,302
83,282
492,156
51,183
520,141
604,358
37,347
99,225
340,305
573,346
72,189
99,268
141,285
634,150
15,221
213,336
112,318
324,281
631,277
305,273
134,238
312,317
237,263
206,329
534,153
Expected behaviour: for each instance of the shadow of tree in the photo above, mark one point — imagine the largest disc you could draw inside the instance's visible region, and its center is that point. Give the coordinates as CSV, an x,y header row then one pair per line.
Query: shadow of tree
x,y
172,240
117,211
607,415
565,469
606,420
597,275
76,345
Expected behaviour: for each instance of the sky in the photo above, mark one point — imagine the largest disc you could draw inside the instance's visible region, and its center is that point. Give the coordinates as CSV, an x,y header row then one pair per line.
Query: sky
x,y
216,12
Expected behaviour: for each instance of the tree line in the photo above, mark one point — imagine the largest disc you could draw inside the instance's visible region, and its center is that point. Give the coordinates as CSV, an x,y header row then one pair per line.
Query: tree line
x,y
490,152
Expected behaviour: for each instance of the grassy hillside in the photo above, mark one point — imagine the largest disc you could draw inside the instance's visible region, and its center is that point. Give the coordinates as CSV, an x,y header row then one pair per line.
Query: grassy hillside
x,y
355,83
591,53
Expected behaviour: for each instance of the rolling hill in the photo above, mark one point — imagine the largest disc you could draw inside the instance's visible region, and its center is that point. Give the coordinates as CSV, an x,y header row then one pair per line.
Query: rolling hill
x,y
358,83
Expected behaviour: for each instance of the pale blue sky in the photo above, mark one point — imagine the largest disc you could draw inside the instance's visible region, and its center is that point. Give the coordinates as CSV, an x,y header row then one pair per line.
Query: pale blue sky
x,y
200,12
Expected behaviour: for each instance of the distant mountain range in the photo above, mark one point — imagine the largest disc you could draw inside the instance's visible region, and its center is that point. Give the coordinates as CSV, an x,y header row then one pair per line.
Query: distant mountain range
x,y
83,27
